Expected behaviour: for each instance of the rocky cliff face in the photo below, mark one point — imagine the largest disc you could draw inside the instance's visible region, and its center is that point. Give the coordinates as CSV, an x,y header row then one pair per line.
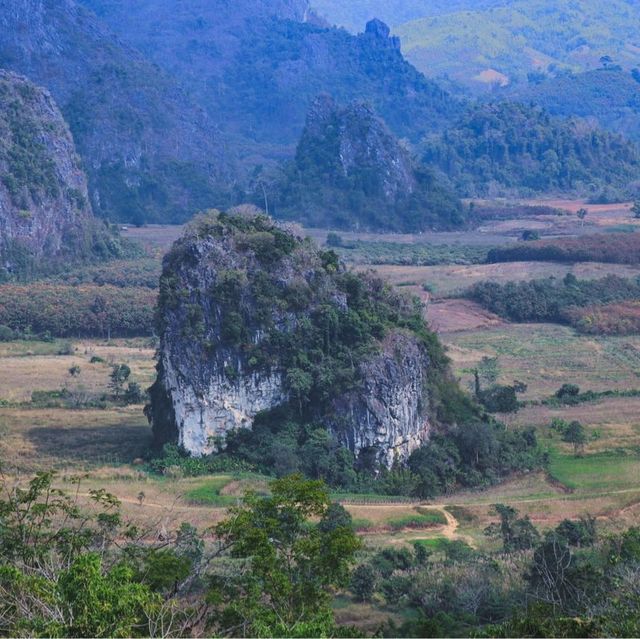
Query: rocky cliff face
x,y
389,412
254,319
150,152
359,145
45,215
350,171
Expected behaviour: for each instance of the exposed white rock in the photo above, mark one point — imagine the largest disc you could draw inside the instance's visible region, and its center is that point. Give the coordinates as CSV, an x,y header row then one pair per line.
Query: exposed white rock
x,y
390,412
203,418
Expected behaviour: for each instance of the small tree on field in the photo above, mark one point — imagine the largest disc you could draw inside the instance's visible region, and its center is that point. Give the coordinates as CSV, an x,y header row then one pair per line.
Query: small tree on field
x,y
119,375
568,392
363,582
517,533
575,434
134,394
582,214
334,240
635,209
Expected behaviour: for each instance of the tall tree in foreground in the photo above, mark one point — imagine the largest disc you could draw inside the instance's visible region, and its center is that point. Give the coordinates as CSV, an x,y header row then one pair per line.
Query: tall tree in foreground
x,y
288,558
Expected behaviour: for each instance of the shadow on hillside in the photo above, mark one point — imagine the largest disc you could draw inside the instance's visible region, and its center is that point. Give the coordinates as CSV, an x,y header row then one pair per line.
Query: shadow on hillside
x,y
107,444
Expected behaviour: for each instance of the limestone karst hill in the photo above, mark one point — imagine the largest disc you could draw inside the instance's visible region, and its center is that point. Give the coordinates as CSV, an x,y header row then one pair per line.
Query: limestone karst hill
x,y
350,171
46,219
258,324
151,152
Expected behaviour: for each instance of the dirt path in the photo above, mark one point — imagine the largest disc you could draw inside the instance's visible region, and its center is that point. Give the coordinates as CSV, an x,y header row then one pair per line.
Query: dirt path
x,y
450,529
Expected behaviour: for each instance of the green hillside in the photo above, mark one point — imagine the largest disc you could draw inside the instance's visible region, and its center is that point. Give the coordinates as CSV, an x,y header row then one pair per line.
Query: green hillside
x,y
525,36
353,15
609,96
492,41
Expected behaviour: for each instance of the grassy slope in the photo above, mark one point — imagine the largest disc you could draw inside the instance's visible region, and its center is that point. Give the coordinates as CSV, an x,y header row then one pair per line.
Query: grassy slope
x,y
524,36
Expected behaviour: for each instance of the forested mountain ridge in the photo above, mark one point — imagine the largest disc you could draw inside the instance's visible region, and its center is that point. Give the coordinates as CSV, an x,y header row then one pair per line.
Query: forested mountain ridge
x,y
258,67
480,43
352,15
46,220
350,172
160,139
151,153
523,36
501,148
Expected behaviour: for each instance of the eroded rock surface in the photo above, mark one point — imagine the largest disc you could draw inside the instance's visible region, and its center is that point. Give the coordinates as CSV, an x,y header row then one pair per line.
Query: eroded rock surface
x,y
253,318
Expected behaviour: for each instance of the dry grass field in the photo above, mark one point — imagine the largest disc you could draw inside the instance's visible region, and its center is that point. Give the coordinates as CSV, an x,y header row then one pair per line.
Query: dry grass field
x,y
545,356
103,444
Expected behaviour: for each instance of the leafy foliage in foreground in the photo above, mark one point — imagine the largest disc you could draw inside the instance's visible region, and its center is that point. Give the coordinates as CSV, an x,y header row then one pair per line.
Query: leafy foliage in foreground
x,y
287,566
274,564
72,571
57,577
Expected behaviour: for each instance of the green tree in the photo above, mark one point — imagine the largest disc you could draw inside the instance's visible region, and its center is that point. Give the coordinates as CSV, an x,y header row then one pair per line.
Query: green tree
x,y
578,533
103,603
119,375
568,392
300,382
133,394
363,582
635,209
53,580
575,434
287,565
516,533
582,214
337,516
334,240
530,236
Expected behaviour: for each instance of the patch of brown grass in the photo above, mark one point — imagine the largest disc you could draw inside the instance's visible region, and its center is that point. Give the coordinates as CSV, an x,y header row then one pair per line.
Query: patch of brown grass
x,y
44,439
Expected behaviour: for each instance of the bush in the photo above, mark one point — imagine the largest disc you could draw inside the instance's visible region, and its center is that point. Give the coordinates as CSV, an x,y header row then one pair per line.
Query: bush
x,y
567,392
6,334
134,394
334,240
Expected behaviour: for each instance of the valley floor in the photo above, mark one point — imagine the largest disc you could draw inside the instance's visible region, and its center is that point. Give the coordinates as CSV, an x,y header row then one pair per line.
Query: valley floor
x,y
105,444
